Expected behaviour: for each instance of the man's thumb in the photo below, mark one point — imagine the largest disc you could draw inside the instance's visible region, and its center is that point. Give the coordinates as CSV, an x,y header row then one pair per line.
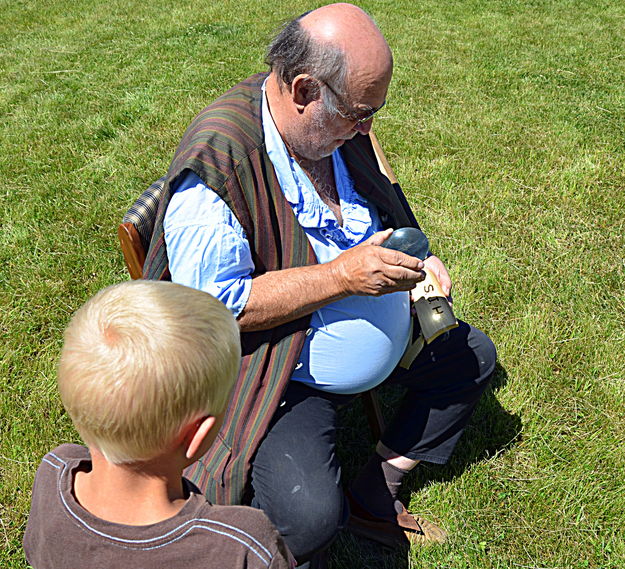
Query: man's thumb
x,y
379,237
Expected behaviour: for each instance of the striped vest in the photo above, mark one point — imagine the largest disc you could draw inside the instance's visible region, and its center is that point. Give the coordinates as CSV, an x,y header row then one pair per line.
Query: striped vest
x,y
224,146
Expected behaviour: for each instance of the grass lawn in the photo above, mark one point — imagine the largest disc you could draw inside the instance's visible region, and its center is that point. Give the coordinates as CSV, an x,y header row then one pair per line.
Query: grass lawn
x,y
505,124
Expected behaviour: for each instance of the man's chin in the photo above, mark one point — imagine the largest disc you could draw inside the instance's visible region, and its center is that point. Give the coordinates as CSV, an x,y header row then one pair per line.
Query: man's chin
x,y
321,152
332,147
340,141
325,152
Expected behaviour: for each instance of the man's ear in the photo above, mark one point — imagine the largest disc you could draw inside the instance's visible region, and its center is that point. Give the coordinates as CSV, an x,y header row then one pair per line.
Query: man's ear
x,y
304,90
197,435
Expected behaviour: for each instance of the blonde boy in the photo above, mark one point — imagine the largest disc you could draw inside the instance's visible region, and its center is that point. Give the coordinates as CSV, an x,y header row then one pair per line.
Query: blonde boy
x,y
145,374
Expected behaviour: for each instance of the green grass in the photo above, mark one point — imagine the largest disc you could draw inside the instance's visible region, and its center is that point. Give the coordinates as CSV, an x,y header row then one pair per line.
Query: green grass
x,y
505,124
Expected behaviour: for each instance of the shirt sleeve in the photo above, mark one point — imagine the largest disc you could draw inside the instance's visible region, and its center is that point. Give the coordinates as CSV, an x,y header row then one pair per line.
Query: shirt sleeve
x,y
206,245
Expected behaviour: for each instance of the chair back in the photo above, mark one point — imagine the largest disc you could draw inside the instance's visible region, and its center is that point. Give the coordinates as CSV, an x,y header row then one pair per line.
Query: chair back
x,y
135,230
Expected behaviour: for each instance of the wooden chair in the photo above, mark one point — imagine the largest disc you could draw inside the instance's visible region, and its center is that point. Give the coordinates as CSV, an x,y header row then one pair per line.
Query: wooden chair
x,y
135,233
135,230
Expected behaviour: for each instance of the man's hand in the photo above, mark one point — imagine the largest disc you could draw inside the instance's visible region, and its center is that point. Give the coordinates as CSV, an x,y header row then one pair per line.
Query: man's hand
x,y
436,266
368,269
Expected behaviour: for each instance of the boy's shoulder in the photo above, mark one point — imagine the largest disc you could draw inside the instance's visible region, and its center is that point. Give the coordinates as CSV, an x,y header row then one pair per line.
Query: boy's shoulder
x,y
243,516
51,489
248,519
242,527
58,460
67,452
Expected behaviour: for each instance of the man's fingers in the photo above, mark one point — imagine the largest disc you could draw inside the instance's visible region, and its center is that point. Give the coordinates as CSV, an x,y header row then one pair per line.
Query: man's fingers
x,y
404,277
397,258
366,270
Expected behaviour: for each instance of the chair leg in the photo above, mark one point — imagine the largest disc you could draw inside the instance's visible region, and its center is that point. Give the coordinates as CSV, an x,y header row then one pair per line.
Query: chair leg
x,y
374,414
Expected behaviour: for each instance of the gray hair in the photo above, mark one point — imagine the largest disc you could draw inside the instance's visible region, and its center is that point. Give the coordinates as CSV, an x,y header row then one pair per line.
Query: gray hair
x,y
293,52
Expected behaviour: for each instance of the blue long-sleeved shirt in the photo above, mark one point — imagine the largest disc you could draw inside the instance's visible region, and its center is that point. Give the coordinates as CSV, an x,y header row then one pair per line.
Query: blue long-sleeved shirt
x,y
357,341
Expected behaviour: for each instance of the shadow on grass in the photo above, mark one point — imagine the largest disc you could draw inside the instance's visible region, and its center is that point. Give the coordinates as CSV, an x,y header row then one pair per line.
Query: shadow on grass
x,y
352,552
491,430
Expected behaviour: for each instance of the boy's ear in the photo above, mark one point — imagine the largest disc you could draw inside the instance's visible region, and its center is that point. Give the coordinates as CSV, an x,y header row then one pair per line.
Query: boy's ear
x,y
197,435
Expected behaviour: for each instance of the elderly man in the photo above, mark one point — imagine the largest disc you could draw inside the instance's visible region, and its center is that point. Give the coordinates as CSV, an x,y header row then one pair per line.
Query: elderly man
x,y
274,204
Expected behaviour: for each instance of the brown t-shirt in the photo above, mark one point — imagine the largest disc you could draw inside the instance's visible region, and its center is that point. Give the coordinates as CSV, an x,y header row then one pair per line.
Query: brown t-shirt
x,y
62,534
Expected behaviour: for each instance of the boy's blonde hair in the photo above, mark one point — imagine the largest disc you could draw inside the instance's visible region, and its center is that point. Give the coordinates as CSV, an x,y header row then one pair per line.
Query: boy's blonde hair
x,y
142,360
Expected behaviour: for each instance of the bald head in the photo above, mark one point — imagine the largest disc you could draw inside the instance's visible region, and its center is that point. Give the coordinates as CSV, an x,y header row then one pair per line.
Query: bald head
x,y
337,44
351,30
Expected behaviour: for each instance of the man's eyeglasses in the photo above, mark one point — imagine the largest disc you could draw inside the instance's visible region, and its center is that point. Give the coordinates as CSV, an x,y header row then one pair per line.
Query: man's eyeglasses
x,y
359,117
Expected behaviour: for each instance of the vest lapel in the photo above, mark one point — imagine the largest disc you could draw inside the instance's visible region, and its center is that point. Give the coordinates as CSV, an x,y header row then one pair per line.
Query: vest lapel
x,y
362,164
368,180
